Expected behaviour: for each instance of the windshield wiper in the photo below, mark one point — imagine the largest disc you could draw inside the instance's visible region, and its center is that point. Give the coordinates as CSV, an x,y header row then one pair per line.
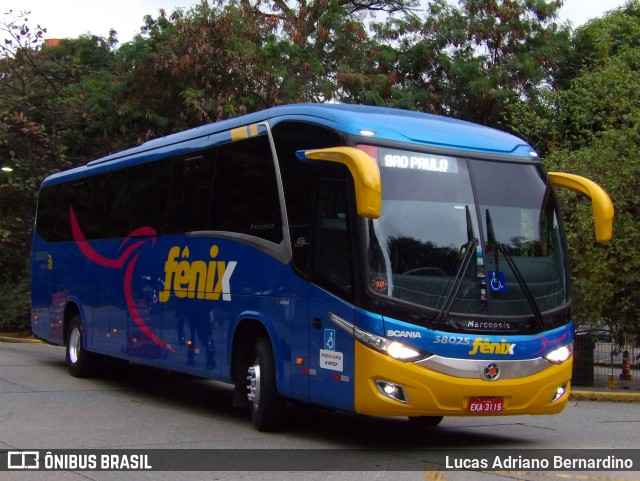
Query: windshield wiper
x,y
459,277
471,245
493,245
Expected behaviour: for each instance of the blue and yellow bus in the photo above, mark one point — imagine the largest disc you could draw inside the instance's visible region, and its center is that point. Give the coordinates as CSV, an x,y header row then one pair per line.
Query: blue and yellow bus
x,y
371,260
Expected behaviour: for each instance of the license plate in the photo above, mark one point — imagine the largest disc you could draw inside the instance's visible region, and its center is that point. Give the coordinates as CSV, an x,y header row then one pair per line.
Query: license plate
x,y
486,405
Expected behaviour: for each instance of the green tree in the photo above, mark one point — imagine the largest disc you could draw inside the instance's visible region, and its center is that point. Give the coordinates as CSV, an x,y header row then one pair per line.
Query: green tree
x,y
473,61
597,134
237,56
45,126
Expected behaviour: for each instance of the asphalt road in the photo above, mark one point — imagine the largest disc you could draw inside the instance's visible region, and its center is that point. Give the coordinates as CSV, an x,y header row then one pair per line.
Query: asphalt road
x,y
134,407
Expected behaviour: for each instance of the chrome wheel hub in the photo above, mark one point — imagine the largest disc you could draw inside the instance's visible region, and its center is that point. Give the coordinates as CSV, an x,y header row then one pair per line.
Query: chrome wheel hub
x,y
253,388
75,344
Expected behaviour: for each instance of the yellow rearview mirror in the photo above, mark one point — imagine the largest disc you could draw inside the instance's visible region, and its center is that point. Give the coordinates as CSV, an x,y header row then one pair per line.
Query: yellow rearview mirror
x,y
365,173
600,201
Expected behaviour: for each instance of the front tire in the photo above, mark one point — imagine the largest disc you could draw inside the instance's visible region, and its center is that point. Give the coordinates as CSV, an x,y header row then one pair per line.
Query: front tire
x,y
264,401
80,362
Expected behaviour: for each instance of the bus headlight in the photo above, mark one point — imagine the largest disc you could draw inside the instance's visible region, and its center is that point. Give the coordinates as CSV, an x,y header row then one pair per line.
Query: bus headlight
x,y
393,349
399,351
560,355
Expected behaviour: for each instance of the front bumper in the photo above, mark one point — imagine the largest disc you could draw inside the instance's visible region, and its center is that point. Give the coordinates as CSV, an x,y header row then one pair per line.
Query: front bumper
x,y
431,393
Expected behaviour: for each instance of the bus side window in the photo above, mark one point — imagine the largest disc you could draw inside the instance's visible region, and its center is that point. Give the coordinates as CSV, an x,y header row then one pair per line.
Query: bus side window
x,y
231,188
331,245
299,180
245,195
191,192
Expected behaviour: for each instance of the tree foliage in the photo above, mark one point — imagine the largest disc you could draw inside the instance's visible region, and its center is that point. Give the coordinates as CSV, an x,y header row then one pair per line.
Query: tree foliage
x,y
504,63
46,125
598,136
473,61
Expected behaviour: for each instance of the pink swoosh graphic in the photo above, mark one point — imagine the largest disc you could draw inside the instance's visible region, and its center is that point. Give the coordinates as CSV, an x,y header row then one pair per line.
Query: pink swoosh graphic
x,y
547,342
94,256
98,258
128,280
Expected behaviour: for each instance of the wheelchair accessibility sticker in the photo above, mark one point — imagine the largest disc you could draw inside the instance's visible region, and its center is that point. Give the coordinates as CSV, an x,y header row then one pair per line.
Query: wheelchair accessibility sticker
x,y
330,339
497,282
329,358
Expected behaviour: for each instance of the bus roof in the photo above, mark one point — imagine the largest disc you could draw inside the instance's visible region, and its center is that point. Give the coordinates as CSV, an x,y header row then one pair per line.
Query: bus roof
x,y
389,124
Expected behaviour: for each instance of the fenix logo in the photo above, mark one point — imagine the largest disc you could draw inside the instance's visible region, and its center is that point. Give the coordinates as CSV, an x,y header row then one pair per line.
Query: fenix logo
x,y
486,347
199,279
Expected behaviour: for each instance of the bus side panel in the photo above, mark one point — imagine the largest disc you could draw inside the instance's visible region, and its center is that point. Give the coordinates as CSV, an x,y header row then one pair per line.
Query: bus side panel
x,y
331,352
109,311
58,274
112,280
44,307
139,334
209,285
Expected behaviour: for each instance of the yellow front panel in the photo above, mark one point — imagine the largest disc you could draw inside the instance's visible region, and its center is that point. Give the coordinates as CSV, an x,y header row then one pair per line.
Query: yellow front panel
x,y
434,394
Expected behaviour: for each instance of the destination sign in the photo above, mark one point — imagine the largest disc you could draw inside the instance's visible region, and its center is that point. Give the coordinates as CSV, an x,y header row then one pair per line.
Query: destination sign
x,y
403,159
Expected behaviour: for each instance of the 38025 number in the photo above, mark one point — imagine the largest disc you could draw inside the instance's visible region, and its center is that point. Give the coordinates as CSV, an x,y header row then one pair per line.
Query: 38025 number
x,y
458,340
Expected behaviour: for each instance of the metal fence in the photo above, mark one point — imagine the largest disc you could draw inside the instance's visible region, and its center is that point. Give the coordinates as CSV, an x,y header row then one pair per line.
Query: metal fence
x,y
605,363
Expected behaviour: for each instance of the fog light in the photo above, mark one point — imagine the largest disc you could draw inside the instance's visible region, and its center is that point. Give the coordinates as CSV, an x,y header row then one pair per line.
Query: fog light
x,y
392,390
562,389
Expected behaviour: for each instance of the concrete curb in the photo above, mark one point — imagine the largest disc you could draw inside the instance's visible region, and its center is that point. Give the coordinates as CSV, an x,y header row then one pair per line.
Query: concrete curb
x,y
606,395
19,340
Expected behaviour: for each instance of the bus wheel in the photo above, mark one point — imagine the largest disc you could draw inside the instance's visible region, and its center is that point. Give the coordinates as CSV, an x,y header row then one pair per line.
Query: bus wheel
x,y
425,421
264,402
80,362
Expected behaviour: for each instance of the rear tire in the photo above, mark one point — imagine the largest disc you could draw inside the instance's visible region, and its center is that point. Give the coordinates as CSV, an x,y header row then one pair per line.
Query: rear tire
x,y
80,362
265,403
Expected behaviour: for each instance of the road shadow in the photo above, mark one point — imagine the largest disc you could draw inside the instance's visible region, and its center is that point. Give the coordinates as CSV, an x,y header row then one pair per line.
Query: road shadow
x,y
185,392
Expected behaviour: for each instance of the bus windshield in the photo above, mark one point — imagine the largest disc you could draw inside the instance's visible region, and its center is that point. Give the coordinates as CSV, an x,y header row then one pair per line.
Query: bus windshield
x,y
466,236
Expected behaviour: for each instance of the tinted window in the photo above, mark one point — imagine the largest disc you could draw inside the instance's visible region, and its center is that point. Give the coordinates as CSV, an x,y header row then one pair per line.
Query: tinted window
x,y
191,193
299,179
107,205
332,259
231,188
53,213
245,191
124,200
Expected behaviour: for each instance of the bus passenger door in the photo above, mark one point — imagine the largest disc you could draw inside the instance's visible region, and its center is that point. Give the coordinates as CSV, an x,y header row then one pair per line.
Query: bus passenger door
x,y
331,353
331,350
